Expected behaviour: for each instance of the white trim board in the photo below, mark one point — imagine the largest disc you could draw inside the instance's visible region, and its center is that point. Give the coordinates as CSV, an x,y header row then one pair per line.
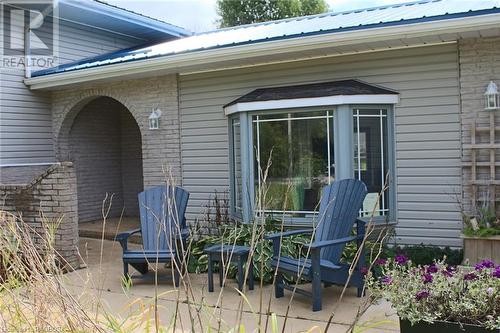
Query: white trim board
x,y
311,101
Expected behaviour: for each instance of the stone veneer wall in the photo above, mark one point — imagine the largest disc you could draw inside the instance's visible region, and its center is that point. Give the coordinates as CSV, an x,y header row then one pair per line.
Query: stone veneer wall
x,y
48,197
160,148
479,63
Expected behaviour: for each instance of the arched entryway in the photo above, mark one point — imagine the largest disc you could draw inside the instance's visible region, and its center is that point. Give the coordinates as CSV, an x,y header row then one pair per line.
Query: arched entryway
x,y
103,140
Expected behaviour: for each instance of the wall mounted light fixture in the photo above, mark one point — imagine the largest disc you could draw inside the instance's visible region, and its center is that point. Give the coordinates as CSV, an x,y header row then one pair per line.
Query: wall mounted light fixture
x,y
492,97
154,119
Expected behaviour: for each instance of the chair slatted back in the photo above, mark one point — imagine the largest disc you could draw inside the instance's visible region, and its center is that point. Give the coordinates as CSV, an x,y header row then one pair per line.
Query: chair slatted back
x,y
162,211
339,209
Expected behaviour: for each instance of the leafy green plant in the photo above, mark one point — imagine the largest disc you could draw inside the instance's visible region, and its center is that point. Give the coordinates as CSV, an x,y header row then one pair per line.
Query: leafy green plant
x,y
482,232
484,224
241,234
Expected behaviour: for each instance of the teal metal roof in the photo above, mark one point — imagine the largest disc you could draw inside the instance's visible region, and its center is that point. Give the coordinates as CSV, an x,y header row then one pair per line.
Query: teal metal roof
x,y
328,23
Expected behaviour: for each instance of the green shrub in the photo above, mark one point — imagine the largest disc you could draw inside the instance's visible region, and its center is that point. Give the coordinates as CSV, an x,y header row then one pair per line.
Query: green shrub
x,y
425,254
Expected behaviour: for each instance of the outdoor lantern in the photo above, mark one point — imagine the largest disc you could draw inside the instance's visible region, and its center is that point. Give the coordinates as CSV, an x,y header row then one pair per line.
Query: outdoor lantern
x,y
492,97
154,119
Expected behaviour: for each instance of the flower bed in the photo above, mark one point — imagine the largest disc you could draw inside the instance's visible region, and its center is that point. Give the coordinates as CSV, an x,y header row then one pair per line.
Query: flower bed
x,y
439,292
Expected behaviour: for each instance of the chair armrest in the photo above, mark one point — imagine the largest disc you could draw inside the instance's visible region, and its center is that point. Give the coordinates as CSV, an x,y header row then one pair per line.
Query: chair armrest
x,y
288,233
276,238
123,237
184,234
321,244
360,221
127,234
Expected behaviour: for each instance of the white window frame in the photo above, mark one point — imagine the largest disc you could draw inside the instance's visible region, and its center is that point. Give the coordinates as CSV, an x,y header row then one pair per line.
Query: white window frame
x,y
343,127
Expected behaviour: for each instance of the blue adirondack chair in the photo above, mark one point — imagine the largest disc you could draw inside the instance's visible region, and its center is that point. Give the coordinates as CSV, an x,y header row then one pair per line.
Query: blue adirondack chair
x,y
163,226
339,209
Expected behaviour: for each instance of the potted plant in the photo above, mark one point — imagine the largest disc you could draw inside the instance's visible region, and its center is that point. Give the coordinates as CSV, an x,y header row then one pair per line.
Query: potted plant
x,y
481,235
438,297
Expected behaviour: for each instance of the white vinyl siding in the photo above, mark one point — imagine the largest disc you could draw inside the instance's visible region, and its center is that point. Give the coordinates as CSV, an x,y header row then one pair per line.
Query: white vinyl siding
x,y
427,129
25,118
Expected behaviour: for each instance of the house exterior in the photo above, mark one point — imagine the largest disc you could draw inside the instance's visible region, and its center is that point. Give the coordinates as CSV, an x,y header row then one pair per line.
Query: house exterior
x,y
30,181
84,29
388,95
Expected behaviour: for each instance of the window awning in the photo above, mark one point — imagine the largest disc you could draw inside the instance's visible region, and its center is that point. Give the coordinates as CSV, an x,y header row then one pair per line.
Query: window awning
x,y
309,95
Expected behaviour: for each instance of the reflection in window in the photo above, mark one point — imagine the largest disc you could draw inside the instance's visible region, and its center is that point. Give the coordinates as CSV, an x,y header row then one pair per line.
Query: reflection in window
x,y
300,148
370,158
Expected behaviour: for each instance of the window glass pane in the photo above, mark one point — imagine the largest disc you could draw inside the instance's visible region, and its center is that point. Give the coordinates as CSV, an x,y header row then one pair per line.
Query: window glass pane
x,y
236,165
300,149
370,158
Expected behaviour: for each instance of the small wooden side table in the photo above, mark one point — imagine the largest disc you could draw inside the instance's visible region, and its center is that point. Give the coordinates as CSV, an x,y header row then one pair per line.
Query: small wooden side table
x,y
222,253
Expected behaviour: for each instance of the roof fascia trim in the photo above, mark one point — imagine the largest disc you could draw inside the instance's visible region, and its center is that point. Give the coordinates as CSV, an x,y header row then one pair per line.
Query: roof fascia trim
x,y
130,17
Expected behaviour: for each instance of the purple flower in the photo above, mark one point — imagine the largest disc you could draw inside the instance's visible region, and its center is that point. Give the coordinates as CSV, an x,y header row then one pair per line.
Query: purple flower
x,y
364,270
490,291
432,269
488,263
427,278
496,272
447,273
422,294
401,259
386,279
470,276
380,261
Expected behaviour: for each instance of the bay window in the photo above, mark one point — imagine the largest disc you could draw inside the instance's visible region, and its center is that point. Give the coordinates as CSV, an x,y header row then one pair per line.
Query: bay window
x,y
282,156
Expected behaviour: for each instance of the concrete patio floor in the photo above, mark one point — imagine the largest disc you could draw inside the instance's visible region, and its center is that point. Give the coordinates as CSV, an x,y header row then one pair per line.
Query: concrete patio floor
x,y
102,279
97,229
